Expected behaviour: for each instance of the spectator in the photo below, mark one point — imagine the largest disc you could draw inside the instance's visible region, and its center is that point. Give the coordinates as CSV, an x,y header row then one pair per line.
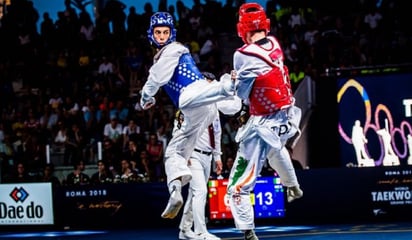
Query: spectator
x,y
133,150
131,130
143,166
296,75
77,176
111,157
121,111
74,144
117,17
87,30
48,120
103,174
127,173
183,13
32,123
154,149
18,122
133,20
7,154
34,154
105,68
19,175
142,170
55,100
118,85
295,18
134,63
47,30
84,69
60,139
48,175
91,129
113,131
70,106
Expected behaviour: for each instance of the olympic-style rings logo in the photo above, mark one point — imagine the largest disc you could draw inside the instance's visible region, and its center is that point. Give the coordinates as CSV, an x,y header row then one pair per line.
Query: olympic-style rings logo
x,y
374,125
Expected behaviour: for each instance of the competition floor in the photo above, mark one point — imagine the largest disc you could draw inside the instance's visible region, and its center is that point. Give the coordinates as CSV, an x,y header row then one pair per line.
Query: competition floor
x,y
387,231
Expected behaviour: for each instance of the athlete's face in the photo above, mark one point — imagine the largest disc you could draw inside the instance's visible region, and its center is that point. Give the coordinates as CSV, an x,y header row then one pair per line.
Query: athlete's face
x,y
161,34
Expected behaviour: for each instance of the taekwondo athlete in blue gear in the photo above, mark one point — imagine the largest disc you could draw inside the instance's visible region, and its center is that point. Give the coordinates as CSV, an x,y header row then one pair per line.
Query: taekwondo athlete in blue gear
x,y
174,70
263,83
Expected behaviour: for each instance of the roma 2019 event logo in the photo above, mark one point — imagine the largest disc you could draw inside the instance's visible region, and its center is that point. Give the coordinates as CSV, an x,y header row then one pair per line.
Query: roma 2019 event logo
x,y
381,123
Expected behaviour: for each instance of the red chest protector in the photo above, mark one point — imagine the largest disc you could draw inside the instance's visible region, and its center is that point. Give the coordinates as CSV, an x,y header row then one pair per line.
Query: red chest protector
x,y
271,91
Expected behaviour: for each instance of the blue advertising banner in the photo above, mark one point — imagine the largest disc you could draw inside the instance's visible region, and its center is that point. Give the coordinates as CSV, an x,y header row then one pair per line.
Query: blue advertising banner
x,y
353,194
112,205
334,195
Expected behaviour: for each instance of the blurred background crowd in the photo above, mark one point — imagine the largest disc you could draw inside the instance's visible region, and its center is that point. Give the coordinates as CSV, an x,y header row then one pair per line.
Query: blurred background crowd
x,y
69,87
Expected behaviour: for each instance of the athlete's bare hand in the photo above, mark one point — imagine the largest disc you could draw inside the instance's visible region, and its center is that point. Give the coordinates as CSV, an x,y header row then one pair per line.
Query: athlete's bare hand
x,y
233,75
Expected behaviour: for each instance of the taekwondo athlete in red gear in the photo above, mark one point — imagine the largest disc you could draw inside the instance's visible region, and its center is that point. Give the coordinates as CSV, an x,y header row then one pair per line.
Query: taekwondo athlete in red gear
x,y
175,71
263,84
207,149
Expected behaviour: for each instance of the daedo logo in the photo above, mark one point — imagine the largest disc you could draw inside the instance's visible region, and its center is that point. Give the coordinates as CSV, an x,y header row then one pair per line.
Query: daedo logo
x,y
26,203
19,194
21,211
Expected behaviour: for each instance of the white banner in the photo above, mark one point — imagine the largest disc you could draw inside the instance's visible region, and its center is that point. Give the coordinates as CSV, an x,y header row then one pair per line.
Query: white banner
x,y
26,204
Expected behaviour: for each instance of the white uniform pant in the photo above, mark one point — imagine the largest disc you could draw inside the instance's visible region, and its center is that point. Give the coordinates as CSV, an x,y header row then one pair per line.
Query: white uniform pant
x,y
195,103
194,209
263,137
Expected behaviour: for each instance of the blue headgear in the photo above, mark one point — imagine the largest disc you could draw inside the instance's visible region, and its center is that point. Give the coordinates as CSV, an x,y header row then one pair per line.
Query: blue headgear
x,y
161,19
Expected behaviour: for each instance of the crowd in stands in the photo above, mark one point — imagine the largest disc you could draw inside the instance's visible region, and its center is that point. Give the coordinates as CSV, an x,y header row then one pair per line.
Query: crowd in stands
x,y
74,82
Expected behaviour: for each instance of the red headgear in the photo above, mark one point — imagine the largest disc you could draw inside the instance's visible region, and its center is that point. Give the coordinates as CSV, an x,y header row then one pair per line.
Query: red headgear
x,y
252,17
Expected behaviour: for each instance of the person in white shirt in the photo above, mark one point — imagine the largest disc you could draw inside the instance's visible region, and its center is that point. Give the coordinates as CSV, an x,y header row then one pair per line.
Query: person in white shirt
x,y
130,129
106,67
113,131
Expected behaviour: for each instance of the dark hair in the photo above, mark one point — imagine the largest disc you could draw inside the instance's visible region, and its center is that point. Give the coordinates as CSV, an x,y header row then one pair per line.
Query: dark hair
x,y
209,75
77,163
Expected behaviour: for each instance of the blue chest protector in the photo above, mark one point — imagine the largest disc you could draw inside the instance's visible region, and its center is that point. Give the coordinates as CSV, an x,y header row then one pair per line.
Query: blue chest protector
x,y
185,73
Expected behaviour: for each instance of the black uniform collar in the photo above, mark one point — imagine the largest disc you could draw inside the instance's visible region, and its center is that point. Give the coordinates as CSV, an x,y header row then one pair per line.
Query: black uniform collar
x,y
262,41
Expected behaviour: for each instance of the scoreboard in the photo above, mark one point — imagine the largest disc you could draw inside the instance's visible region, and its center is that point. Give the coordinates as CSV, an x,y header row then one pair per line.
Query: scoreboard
x,y
268,198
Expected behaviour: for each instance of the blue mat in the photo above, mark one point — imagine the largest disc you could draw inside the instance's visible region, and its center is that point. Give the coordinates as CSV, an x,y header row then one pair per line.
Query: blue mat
x,y
392,231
